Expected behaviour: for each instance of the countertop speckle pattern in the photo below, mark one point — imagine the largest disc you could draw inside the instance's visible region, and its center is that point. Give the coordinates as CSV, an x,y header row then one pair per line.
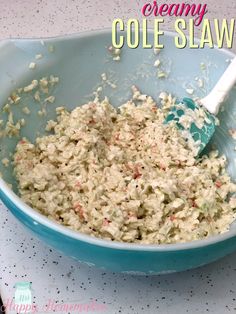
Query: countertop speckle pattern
x,y
209,289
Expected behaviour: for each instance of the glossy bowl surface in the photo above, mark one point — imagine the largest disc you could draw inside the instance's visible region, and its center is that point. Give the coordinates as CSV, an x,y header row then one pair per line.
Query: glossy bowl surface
x,y
79,61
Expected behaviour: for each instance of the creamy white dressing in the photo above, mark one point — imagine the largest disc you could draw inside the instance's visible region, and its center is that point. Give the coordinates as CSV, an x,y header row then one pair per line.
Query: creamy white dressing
x,y
121,174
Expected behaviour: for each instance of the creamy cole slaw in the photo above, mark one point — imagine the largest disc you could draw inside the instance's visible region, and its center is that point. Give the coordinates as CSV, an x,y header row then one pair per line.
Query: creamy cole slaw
x,y
123,175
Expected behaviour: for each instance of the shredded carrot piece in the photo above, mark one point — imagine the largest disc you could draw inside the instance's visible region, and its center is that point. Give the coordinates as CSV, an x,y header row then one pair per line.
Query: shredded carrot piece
x,y
79,209
136,174
194,204
106,222
117,136
162,167
78,184
218,184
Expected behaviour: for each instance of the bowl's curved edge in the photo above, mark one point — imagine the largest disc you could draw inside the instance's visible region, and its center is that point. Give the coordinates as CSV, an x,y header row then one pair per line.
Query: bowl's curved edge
x,y
37,217
88,33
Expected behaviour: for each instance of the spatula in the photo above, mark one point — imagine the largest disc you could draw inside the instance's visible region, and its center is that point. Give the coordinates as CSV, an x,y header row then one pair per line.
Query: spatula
x,y
197,119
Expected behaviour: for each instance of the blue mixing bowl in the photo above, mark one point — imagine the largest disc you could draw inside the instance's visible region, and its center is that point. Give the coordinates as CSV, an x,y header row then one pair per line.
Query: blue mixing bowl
x,y
79,61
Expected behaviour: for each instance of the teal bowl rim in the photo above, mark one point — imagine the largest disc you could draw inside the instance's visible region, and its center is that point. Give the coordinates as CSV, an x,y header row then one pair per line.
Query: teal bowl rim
x,y
76,235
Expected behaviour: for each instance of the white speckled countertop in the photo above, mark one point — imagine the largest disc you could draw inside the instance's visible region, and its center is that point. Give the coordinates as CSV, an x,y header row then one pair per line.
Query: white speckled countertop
x,y
24,258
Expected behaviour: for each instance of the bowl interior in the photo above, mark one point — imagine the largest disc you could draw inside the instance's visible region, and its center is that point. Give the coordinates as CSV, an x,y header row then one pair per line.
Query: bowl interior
x,y
79,62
